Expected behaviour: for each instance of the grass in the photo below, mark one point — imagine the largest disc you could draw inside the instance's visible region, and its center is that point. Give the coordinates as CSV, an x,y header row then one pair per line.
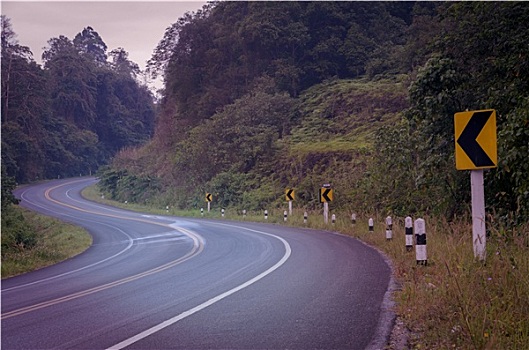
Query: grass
x,y
55,242
455,301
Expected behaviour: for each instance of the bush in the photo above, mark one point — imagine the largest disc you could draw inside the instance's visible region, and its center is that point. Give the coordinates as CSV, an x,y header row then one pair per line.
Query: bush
x,y
17,234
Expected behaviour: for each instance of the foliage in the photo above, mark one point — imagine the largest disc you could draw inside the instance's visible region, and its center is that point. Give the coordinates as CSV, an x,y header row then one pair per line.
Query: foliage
x,y
31,241
72,115
8,185
212,57
345,68
17,234
123,186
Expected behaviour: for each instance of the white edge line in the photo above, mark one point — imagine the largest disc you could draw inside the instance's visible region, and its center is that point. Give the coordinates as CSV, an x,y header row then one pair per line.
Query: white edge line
x,y
211,301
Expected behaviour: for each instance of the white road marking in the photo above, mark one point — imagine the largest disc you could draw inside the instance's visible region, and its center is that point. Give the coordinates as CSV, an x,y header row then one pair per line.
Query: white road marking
x,y
211,301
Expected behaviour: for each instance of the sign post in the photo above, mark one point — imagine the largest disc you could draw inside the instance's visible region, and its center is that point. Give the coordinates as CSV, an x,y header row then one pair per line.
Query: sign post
x,y
476,149
326,196
289,195
209,198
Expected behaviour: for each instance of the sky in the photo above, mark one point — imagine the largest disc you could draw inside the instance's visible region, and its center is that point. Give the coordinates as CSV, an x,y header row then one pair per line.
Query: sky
x,y
136,26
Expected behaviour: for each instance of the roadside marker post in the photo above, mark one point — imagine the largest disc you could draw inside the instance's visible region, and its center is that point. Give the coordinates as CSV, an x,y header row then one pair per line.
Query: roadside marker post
x,y
244,213
305,217
420,245
333,219
389,229
353,218
285,215
222,212
408,223
266,214
371,225
202,211
475,150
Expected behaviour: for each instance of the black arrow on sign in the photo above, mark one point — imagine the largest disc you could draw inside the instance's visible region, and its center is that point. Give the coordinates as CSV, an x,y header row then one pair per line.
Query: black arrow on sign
x,y
325,194
209,197
469,144
290,195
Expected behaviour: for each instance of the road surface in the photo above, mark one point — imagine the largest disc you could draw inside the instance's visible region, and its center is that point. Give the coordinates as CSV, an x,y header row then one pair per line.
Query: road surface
x,y
160,282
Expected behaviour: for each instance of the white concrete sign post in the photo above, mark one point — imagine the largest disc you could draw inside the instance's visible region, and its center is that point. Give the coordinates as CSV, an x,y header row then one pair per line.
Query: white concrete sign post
x,y
479,232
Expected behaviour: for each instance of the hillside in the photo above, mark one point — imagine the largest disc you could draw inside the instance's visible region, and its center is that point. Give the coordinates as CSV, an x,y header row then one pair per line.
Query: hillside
x,y
361,96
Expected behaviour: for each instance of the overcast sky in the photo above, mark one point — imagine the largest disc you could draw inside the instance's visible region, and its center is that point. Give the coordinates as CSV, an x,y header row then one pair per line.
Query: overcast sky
x,y
136,26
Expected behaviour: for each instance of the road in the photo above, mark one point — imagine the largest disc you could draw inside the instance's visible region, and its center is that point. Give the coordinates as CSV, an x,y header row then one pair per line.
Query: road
x,y
160,282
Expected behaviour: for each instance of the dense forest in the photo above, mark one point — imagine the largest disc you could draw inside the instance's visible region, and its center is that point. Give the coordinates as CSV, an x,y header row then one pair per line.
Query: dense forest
x,y
263,96
71,115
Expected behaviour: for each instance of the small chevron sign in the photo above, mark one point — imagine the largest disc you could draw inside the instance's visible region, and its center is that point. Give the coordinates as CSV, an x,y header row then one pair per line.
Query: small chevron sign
x,y
209,197
289,194
326,195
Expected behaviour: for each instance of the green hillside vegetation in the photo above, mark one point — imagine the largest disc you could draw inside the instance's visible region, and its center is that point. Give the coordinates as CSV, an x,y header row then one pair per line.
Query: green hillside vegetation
x,y
361,96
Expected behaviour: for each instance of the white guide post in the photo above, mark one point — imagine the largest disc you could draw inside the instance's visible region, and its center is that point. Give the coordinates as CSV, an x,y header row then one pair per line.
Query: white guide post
x,y
290,208
389,228
478,214
421,255
209,206
409,233
326,212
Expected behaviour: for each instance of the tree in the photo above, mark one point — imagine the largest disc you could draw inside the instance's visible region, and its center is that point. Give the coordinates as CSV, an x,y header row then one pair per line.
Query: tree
x,y
11,51
121,63
74,113
90,44
72,82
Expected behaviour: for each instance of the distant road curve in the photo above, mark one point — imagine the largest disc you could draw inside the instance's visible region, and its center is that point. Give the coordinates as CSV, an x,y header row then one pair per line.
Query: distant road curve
x,y
160,282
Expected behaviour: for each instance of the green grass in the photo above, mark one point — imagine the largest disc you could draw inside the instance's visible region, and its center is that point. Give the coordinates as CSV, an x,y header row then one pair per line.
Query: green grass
x,y
455,302
55,241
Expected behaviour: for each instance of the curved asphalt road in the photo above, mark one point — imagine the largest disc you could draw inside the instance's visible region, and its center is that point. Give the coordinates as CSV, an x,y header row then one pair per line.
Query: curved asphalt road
x,y
156,282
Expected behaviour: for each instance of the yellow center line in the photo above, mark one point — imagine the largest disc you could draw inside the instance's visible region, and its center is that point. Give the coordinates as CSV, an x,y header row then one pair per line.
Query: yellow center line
x,y
198,247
